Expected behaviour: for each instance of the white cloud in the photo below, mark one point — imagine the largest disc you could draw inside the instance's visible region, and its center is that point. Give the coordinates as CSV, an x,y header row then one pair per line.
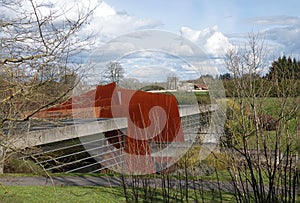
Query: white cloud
x,y
210,40
197,36
110,23
276,20
146,65
282,33
213,43
217,44
116,48
105,24
150,74
288,38
105,10
180,49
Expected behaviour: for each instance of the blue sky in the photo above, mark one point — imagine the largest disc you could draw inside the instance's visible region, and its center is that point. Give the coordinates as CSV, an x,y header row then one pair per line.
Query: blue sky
x,y
214,26
231,16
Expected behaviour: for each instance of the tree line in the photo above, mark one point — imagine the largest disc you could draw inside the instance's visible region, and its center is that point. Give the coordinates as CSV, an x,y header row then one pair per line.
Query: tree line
x,y
283,73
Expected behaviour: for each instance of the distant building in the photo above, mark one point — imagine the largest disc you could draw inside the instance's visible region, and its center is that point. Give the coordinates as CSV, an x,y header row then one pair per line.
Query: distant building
x,y
187,86
172,82
200,86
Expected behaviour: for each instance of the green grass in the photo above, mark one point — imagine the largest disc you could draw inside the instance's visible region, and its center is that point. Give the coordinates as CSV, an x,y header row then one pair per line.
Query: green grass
x,y
49,194
192,98
201,93
270,137
223,175
273,107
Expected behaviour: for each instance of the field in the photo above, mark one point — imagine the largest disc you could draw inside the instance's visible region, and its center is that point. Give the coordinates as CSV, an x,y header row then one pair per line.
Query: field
x,y
274,111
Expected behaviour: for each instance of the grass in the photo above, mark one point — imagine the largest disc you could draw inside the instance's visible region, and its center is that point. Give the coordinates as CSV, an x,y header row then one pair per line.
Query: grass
x,y
223,175
50,194
32,194
192,98
270,137
272,107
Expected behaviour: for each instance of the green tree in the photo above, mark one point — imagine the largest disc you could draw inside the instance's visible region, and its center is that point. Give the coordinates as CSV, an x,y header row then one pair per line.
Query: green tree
x,y
284,73
284,68
225,76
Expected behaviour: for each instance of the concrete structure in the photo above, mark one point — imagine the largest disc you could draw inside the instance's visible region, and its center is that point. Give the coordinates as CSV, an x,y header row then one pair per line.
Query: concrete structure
x,y
151,121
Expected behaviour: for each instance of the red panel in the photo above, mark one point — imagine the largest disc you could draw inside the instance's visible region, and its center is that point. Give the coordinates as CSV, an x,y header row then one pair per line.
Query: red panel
x,y
109,101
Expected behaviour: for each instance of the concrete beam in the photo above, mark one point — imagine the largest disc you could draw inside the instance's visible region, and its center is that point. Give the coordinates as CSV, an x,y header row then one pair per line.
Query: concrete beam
x,y
56,134
40,137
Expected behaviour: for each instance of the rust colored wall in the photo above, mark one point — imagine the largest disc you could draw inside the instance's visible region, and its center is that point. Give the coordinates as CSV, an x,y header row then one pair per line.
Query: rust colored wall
x,y
109,101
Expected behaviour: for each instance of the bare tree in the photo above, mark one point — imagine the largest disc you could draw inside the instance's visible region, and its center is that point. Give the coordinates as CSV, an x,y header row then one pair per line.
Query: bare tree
x,y
263,163
113,72
39,42
172,81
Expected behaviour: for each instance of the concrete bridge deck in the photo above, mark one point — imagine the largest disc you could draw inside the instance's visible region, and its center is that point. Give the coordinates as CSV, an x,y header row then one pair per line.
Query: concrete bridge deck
x,y
78,147
80,128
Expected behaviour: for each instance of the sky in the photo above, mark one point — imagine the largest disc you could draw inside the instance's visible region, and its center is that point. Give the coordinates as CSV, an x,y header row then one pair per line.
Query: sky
x,y
231,16
214,26
278,20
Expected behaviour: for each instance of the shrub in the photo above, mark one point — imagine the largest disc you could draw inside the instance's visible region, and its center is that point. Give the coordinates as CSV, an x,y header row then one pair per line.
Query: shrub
x,y
17,165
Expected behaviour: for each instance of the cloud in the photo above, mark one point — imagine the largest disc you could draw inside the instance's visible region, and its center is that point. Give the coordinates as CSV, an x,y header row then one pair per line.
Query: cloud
x,y
210,40
282,32
276,20
150,74
288,38
155,65
110,23
198,36
181,49
217,44
213,43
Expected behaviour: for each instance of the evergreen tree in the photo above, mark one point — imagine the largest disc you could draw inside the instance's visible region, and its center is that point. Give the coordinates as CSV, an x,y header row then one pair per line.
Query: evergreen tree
x,y
284,68
286,73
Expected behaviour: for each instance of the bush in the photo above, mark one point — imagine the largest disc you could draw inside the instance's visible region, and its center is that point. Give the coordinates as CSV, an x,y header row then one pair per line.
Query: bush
x,y
217,160
194,165
16,165
268,122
